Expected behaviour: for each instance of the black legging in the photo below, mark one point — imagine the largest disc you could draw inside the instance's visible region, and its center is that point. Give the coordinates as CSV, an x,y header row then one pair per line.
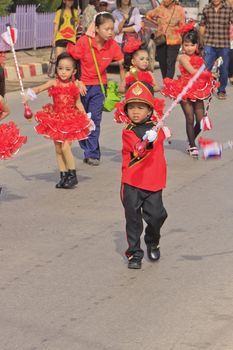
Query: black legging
x,y
193,110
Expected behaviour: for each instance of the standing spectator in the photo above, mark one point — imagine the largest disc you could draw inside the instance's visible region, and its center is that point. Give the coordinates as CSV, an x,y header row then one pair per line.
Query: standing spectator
x,y
230,72
215,33
65,23
105,51
127,20
103,6
170,17
89,14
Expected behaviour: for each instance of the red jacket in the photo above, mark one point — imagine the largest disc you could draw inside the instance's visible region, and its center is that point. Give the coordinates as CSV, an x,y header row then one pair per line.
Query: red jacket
x,y
148,173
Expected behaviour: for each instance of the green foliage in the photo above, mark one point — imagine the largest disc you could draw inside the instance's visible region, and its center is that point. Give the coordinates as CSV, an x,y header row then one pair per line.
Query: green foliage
x,y
5,6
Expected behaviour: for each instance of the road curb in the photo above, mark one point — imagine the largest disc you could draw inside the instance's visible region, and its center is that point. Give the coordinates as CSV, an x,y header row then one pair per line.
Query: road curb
x,y
26,70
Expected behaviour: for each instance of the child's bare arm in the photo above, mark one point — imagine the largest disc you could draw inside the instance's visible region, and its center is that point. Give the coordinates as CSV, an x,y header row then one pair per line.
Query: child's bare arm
x,y
184,61
44,87
79,105
5,109
37,90
156,86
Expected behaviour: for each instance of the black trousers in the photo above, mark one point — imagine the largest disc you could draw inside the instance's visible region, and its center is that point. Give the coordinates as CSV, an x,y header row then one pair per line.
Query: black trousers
x,y
141,204
167,55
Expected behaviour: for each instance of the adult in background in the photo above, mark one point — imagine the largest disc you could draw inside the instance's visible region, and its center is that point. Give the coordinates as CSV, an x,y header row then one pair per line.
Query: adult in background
x,y
215,34
127,20
103,6
169,16
89,13
106,50
230,72
65,24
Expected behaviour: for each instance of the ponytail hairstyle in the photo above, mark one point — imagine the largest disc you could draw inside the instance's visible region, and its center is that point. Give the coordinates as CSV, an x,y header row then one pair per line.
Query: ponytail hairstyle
x,y
62,8
103,17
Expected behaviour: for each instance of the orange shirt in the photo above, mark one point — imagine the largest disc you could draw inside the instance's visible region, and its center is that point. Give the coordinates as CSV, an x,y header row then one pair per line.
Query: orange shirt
x,y
163,15
111,51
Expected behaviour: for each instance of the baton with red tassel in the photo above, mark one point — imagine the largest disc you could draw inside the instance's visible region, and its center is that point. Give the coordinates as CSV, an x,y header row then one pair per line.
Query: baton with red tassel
x,y
10,38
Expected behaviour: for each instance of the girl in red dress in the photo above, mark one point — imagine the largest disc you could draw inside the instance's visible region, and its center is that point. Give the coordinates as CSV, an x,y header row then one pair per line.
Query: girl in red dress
x,y
192,103
10,139
137,58
65,120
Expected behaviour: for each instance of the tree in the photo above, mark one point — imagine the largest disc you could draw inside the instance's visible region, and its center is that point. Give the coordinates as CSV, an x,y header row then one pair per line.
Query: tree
x,y
5,6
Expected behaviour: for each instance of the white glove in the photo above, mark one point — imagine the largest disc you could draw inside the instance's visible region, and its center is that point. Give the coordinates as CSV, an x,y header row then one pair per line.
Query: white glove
x,y
31,94
151,135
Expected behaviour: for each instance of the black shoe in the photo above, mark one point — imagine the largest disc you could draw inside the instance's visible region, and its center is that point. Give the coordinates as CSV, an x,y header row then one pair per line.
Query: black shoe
x,y
61,183
153,252
134,263
71,179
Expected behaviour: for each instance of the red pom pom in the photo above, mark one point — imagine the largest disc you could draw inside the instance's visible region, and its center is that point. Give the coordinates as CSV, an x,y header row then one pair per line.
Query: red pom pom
x,y
159,105
142,76
132,45
119,115
186,28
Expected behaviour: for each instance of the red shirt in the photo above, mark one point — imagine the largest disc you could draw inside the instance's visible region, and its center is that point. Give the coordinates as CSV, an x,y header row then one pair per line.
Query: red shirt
x,y
104,56
148,173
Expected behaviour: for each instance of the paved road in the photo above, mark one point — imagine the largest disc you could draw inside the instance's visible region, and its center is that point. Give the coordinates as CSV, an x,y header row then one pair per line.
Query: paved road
x,y
64,282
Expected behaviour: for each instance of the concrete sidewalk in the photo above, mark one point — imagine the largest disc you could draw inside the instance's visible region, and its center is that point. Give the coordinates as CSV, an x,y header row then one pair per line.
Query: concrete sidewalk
x,y
31,63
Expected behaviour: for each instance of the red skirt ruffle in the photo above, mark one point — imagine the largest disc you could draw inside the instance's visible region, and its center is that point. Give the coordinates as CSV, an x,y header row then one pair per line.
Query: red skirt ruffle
x,y
10,140
200,90
69,124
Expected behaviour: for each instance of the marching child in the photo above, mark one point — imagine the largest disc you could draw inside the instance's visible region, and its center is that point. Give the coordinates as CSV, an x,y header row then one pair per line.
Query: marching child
x,y
192,103
143,177
137,61
10,139
65,120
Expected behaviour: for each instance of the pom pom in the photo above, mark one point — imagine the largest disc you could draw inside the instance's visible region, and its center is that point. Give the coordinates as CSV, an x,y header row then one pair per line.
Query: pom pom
x,y
132,45
186,28
142,76
119,115
159,105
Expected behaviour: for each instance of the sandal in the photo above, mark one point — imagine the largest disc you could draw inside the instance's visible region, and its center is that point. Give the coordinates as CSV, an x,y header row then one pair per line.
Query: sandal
x,y
221,95
193,152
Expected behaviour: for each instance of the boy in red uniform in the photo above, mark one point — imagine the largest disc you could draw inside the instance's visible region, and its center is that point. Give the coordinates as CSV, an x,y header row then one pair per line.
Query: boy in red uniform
x,y
144,177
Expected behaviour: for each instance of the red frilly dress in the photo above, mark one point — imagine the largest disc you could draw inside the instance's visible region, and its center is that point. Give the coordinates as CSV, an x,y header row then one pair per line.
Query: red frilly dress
x,y
201,88
10,139
62,120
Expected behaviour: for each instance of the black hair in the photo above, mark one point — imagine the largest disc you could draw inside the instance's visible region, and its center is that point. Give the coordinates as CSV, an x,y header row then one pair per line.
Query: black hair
x,y
2,82
129,56
62,8
191,36
118,3
101,18
65,56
